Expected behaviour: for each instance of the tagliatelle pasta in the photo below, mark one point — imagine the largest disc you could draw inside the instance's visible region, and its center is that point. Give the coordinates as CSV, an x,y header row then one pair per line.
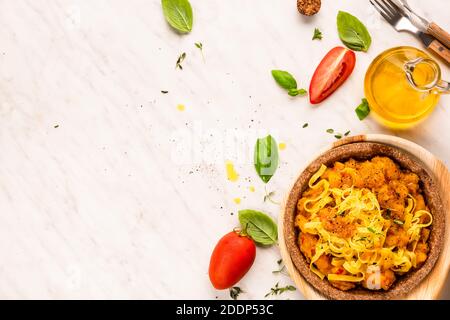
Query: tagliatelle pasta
x,y
363,223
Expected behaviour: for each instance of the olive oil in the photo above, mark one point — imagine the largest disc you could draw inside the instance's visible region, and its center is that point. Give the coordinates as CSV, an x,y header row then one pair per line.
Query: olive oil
x,y
394,100
232,175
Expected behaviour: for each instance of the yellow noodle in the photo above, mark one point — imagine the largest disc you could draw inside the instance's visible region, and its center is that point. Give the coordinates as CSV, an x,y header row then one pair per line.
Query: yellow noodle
x,y
365,247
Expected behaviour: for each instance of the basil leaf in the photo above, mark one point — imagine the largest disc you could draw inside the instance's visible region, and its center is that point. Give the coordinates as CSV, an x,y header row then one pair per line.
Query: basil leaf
x,y
284,79
352,32
178,14
296,92
259,226
266,158
363,110
302,92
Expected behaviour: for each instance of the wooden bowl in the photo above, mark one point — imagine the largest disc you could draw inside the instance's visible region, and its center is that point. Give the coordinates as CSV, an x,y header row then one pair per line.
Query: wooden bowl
x,y
424,283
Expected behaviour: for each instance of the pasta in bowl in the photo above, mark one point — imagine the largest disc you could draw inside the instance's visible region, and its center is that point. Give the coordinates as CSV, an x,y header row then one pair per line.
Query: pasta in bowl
x,y
366,222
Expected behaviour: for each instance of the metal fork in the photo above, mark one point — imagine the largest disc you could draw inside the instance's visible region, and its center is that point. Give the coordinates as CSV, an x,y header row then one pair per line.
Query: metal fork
x,y
394,15
397,17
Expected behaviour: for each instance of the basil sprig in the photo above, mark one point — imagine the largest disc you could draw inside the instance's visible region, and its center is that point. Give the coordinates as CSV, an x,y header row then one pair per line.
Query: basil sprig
x,y
297,92
178,14
288,82
317,34
352,32
259,226
266,157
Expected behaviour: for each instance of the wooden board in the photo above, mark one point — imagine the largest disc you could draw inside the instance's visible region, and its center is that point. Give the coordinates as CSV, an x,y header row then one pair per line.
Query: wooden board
x,y
432,286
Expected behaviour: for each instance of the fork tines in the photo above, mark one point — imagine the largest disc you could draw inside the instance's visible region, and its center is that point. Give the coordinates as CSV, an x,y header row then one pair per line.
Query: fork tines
x,y
388,9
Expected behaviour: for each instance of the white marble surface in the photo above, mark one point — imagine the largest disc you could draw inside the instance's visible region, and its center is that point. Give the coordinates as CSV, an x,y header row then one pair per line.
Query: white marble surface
x,y
106,205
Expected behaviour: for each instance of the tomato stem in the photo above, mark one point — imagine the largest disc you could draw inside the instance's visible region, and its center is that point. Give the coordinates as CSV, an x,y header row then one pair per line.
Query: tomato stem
x,y
240,232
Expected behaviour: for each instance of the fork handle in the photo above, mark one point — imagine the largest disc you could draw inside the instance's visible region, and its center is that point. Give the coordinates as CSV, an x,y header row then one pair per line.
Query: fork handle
x,y
439,33
440,50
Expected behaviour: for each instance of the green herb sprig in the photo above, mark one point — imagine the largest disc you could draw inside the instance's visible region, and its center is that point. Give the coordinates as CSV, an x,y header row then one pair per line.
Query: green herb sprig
x,y
277,290
297,92
388,213
338,135
317,34
281,267
268,196
199,45
180,60
235,292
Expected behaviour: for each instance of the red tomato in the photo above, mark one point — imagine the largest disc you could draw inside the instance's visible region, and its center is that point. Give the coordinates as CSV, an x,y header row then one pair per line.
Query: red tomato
x,y
332,71
231,259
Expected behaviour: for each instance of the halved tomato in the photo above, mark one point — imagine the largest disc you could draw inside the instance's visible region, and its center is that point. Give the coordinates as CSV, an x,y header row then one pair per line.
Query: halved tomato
x,y
331,73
